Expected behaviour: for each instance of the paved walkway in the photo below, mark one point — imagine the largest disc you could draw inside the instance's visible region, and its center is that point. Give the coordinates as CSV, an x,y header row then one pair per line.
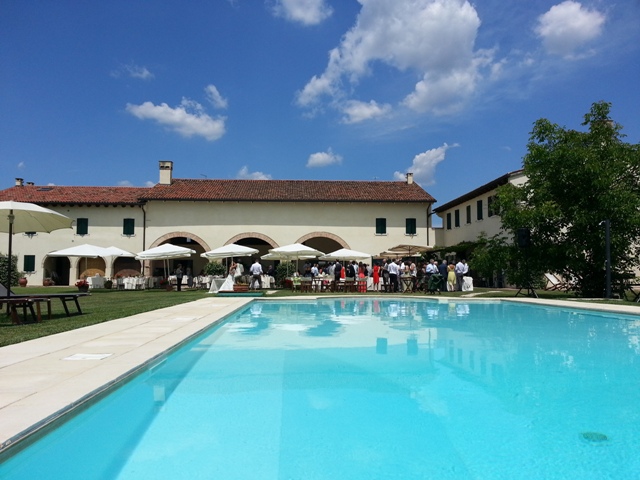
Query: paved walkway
x,y
41,379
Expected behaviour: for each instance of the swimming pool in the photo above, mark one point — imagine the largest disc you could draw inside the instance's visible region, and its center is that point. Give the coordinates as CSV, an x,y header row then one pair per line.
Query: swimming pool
x,y
369,388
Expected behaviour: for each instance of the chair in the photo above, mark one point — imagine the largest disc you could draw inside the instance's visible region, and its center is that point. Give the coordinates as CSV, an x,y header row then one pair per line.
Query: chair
x,y
554,283
349,285
295,284
305,284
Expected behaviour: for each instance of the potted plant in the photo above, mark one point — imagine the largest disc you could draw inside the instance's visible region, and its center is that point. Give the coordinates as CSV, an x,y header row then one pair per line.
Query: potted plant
x,y
22,281
82,285
108,284
166,284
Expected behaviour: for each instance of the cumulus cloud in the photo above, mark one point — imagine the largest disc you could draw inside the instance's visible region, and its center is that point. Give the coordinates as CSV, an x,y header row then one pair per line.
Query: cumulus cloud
x,y
245,174
567,27
323,159
356,111
133,71
188,119
424,164
214,97
306,12
433,38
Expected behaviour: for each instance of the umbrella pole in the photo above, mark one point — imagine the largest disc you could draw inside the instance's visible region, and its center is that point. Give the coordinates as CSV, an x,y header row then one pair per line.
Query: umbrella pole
x,y
11,219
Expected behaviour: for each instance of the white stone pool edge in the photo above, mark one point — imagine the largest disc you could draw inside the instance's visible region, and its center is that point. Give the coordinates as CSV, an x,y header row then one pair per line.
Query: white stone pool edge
x,y
44,378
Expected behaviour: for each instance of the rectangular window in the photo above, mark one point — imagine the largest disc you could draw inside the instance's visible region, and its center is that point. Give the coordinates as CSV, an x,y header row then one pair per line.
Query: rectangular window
x,y
468,212
381,226
128,226
457,217
29,264
410,226
449,221
479,210
82,226
491,209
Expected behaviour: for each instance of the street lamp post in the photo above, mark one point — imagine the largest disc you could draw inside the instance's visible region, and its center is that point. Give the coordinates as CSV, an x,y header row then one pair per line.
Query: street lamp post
x,y
607,248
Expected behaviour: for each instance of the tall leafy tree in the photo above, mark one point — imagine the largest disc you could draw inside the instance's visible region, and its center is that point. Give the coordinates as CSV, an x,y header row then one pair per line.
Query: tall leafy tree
x,y
576,180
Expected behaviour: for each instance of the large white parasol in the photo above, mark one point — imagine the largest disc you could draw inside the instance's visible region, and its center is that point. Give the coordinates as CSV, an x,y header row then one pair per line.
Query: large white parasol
x,y
21,217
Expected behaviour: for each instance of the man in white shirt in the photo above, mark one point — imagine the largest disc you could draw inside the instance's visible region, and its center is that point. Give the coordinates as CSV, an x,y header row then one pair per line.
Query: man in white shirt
x,y
256,272
460,269
393,269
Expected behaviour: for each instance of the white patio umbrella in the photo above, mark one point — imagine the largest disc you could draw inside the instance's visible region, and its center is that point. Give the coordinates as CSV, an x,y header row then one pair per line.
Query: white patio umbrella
x,y
21,217
295,251
346,254
165,252
118,252
231,250
86,250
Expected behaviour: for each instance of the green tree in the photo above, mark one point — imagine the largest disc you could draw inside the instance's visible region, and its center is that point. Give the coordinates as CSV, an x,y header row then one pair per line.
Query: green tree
x,y
576,180
15,273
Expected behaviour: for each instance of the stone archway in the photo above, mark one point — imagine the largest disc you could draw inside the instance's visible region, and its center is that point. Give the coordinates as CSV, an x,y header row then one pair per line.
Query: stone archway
x,y
242,236
169,236
324,241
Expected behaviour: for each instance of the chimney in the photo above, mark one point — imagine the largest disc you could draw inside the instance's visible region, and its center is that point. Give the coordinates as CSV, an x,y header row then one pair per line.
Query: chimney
x,y
19,182
30,184
166,172
409,178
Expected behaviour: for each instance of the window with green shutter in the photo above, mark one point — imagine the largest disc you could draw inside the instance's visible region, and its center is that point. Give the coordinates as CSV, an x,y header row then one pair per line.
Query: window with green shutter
x,y
449,221
29,263
82,226
479,210
410,226
381,226
129,226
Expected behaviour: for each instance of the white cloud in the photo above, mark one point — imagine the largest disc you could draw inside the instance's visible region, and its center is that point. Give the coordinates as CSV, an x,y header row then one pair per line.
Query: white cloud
x,y
149,183
323,159
356,111
213,95
306,12
244,174
133,71
21,165
424,164
567,27
434,38
187,119
125,183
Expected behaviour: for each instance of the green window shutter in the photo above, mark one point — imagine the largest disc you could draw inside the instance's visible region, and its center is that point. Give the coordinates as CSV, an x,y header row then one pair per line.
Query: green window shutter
x,y
449,221
410,226
479,210
82,226
29,264
468,211
128,226
457,217
381,226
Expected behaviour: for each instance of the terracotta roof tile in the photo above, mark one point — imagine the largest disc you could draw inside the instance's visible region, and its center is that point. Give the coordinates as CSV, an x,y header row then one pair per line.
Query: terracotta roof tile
x,y
288,191
58,195
223,190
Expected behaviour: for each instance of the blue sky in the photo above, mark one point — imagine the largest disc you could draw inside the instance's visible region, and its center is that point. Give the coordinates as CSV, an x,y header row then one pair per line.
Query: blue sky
x,y
96,93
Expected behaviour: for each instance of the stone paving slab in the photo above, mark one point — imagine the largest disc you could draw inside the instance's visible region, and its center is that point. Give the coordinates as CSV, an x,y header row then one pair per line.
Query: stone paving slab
x,y
43,378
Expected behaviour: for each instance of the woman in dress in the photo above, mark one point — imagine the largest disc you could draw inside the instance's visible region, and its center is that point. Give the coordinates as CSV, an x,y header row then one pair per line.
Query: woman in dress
x,y
376,278
451,277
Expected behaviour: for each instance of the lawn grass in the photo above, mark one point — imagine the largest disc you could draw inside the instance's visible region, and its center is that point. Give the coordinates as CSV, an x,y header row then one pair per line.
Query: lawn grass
x,y
104,305
100,306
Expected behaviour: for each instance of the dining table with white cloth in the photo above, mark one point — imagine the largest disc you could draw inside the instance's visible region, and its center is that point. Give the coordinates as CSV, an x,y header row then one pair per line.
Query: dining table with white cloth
x,y
215,284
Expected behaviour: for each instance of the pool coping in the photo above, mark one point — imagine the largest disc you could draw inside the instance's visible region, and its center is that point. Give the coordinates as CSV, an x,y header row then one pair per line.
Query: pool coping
x,y
42,379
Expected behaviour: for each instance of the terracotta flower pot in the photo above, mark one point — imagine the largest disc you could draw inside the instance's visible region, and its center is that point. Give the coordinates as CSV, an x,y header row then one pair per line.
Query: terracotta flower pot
x,y
22,282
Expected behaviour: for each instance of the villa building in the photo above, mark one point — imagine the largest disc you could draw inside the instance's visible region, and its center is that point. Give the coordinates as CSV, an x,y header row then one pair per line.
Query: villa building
x,y
203,214
466,217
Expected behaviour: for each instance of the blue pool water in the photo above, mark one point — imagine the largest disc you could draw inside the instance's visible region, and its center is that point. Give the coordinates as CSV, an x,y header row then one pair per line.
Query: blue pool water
x,y
369,389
